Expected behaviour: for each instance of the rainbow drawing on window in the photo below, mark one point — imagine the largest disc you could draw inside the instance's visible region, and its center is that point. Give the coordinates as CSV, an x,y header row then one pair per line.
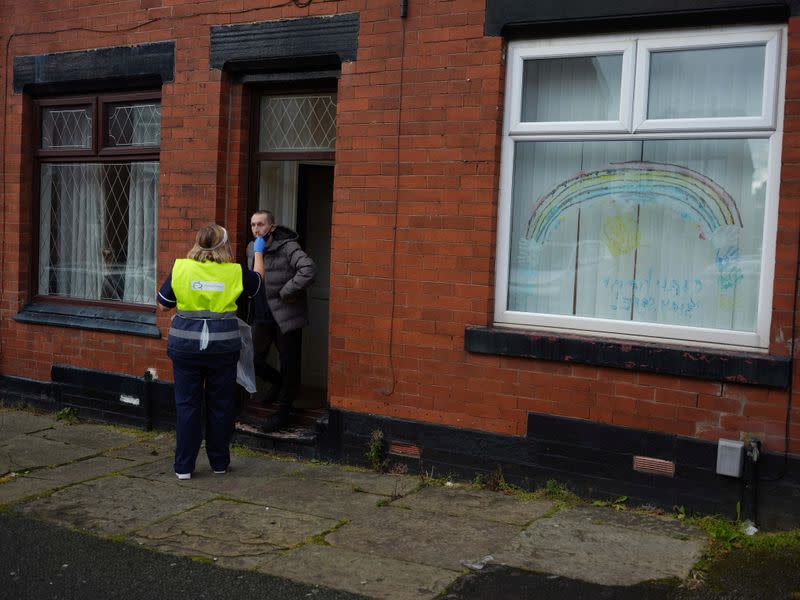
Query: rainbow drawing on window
x,y
692,195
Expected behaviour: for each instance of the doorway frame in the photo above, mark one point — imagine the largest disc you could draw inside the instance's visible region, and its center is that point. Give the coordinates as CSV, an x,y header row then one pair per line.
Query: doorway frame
x,y
255,93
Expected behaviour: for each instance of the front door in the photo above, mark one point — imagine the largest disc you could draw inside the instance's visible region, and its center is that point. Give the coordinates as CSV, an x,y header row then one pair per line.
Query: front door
x,y
314,215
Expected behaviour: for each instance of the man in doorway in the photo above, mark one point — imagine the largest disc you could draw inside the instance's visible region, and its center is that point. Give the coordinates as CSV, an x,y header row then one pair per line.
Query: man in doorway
x,y
260,317
282,313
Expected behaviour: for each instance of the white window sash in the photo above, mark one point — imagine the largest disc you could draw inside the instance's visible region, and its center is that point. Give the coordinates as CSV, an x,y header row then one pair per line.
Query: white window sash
x,y
517,54
768,125
772,67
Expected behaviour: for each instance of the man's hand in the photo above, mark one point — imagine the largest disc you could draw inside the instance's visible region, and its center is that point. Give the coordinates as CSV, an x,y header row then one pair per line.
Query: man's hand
x,y
259,245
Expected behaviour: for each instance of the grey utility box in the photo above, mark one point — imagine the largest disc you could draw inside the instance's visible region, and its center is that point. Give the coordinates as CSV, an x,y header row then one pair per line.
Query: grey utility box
x,y
730,455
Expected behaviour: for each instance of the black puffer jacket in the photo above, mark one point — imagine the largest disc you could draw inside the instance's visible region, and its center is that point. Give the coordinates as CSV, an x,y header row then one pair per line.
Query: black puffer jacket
x,y
289,271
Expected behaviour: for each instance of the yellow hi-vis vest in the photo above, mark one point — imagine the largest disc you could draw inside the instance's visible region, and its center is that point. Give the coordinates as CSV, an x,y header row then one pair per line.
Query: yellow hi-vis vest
x,y
206,286
206,294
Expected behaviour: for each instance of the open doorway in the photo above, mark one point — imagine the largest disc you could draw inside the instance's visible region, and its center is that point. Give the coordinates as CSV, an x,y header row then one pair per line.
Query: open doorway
x,y
300,195
293,167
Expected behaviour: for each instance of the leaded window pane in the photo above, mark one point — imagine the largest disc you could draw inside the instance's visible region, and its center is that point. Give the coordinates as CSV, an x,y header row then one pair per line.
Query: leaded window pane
x,y
97,230
133,125
298,123
66,128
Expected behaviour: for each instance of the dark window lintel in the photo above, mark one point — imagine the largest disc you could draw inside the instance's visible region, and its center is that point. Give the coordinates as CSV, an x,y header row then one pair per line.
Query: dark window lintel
x,y
119,67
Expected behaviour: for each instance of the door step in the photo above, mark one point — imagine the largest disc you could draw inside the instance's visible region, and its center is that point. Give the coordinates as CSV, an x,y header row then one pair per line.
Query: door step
x,y
299,439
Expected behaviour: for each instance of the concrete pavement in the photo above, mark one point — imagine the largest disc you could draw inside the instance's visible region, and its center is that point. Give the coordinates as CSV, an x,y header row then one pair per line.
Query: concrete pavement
x,y
379,535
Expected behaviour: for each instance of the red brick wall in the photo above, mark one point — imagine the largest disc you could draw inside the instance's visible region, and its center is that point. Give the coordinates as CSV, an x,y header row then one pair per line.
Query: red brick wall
x,y
203,158
415,200
397,324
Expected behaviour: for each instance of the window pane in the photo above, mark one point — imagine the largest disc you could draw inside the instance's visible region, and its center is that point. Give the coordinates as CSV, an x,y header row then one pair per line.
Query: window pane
x,y
584,88
710,82
97,227
298,123
66,128
656,231
133,125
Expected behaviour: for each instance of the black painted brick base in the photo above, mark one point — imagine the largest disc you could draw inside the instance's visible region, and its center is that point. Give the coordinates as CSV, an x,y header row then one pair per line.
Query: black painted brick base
x,y
95,395
593,459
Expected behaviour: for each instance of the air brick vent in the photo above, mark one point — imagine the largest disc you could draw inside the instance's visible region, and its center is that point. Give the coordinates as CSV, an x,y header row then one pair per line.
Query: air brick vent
x,y
654,466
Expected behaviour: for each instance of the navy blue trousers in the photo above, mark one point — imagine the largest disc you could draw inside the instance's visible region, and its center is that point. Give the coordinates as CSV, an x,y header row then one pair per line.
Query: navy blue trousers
x,y
204,380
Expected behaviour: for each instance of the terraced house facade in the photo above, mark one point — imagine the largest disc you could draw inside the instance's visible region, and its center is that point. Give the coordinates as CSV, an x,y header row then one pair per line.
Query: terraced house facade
x,y
554,240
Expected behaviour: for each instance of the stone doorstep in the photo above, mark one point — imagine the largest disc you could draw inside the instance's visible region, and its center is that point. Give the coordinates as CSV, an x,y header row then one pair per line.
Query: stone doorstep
x,y
296,434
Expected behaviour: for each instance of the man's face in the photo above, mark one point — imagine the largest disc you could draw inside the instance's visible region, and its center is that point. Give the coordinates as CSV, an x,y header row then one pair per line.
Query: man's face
x,y
259,224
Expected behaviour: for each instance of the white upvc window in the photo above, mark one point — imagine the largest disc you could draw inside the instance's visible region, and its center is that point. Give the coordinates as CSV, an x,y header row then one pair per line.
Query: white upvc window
x,y
639,185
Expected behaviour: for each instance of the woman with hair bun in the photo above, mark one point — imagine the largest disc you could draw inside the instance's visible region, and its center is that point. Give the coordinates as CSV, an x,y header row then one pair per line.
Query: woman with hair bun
x,y
204,344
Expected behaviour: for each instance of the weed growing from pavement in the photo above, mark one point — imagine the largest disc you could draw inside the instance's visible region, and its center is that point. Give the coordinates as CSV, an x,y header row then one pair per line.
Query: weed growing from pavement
x,y
142,436
617,503
23,406
376,451
725,535
554,491
68,415
9,477
238,450
427,478
319,538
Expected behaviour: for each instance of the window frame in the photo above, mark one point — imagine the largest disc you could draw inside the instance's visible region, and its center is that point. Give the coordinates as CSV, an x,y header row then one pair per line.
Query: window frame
x,y
260,91
98,153
768,126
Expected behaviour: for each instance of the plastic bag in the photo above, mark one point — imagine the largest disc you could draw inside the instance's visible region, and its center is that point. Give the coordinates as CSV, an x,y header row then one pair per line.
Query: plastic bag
x,y
245,368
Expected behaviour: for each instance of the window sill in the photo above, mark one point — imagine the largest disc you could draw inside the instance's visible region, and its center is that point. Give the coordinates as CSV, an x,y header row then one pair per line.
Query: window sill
x,y
117,320
730,366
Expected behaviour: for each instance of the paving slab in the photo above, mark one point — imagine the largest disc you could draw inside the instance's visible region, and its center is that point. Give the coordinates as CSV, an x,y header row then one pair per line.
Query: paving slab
x,y
601,546
15,422
114,505
19,488
639,520
43,480
233,534
136,455
140,453
6,463
475,504
96,437
82,470
367,574
244,473
28,452
386,484
443,541
322,499
271,483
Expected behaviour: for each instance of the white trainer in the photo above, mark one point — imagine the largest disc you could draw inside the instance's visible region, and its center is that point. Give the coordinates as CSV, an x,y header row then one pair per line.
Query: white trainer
x,y
184,475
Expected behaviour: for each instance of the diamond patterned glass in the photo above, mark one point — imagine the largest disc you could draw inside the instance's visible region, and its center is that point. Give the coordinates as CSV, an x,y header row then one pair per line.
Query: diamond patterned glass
x,y
298,123
66,128
98,231
133,125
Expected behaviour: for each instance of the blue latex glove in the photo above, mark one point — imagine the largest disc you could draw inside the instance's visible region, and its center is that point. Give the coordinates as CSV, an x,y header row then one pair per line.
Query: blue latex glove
x,y
259,245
